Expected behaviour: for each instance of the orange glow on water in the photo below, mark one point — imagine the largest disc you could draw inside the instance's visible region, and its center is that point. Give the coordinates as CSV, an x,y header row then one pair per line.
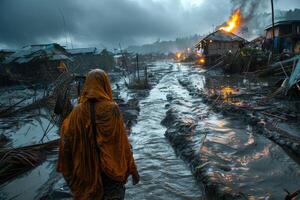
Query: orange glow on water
x,y
227,92
201,61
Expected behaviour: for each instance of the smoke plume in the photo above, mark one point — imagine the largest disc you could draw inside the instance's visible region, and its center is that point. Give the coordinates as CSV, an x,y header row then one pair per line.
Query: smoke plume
x,y
254,16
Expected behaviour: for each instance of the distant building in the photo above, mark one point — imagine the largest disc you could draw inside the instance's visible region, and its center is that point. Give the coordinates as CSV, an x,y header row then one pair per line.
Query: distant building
x,y
219,43
287,36
257,42
85,59
82,51
41,63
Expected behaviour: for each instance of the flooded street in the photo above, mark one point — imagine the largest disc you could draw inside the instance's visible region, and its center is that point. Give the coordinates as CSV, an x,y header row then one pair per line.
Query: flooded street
x,y
163,175
224,148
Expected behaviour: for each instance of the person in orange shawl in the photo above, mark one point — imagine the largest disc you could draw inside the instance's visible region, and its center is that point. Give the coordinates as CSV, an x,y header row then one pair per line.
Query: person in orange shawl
x,y
96,166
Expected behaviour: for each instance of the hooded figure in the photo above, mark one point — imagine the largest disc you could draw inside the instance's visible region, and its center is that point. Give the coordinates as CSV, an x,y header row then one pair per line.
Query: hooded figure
x,y
94,164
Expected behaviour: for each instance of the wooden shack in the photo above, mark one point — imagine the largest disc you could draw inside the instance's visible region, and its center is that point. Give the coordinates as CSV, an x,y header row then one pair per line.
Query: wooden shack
x,y
4,53
40,63
85,59
287,36
218,44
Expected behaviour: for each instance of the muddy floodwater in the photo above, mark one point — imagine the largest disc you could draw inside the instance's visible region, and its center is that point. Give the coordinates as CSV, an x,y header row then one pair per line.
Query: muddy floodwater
x,y
235,158
163,175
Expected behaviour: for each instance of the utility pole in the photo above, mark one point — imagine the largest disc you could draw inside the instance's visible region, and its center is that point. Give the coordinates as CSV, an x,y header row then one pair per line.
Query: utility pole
x,y
273,24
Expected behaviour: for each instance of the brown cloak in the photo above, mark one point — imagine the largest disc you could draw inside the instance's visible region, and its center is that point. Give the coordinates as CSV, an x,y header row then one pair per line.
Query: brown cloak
x,y
79,160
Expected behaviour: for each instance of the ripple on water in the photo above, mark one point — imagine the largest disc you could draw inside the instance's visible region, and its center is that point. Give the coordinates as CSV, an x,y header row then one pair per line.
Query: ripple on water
x,y
238,159
163,175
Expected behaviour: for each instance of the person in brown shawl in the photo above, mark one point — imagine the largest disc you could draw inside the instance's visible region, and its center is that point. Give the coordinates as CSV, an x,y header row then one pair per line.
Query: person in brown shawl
x,y
96,166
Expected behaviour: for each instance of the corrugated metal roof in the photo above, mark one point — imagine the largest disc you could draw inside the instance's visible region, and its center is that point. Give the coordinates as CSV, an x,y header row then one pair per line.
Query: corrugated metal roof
x,y
283,22
91,50
28,53
59,57
7,50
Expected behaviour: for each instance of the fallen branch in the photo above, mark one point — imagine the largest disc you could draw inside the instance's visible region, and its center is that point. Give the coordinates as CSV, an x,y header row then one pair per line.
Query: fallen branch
x,y
271,115
3,112
14,162
290,196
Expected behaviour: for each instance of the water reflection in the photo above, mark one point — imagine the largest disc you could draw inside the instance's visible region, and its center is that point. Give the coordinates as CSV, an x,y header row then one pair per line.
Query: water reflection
x,y
163,175
235,157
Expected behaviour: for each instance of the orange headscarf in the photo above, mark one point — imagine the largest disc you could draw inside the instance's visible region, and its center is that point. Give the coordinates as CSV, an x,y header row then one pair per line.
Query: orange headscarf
x,y
79,160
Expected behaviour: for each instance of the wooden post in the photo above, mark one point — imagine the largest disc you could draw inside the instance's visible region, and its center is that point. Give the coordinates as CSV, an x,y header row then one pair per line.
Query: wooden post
x,y
146,75
137,66
273,24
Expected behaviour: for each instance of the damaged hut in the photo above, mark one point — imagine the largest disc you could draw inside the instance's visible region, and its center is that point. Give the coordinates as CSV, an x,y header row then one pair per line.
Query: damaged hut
x,y
287,36
218,44
89,58
4,53
41,63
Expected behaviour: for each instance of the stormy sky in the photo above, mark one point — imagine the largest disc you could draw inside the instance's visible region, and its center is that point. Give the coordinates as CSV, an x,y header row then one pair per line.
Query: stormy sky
x,y
106,23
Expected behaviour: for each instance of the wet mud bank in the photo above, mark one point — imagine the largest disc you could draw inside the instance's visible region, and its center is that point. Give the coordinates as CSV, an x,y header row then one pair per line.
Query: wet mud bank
x,y
224,150
181,133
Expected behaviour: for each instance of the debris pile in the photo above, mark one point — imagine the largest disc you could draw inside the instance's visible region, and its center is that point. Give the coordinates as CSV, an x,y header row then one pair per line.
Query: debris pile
x,y
251,99
14,162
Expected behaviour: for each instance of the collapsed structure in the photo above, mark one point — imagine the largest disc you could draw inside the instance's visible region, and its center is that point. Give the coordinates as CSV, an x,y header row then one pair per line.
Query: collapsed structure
x,y
43,63
85,59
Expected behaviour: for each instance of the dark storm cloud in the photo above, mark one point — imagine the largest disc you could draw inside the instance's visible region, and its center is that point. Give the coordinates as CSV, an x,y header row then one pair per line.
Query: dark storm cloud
x,y
106,22
23,22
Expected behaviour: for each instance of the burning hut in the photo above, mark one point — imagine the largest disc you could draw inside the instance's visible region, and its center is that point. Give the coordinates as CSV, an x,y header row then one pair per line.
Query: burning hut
x,y
219,44
41,63
287,36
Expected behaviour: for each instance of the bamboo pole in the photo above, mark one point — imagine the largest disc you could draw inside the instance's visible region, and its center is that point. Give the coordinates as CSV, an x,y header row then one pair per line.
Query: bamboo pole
x,y
273,24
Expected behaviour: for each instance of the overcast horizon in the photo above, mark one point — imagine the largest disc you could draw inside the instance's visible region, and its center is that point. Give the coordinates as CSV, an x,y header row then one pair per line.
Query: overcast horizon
x,y
107,23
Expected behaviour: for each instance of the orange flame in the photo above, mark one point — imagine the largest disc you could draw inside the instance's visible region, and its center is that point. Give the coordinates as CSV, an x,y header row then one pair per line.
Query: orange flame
x,y
233,23
200,61
178,55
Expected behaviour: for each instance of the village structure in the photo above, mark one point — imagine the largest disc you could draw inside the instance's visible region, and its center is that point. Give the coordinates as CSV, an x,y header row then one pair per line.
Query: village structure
x,y
228,106
218,44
